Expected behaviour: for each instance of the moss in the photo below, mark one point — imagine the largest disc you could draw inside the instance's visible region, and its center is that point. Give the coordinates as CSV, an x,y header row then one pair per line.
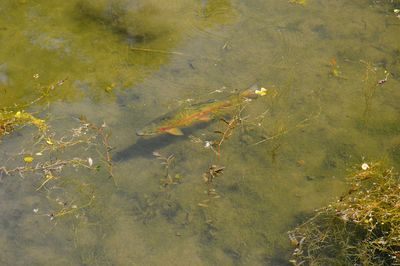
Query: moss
x,y
361,228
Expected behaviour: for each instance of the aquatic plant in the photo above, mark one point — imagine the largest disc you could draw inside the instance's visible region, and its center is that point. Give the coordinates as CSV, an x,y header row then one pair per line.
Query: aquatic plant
x,y
371,81
225,134
104,134
167,162
361,228
84,147
9,120
15,116
212,173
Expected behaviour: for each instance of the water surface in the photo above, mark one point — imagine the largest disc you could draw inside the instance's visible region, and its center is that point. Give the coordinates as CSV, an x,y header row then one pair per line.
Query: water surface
x,y
127,62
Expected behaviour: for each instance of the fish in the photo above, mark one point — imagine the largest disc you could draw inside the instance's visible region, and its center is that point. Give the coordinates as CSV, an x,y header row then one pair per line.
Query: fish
x,y
173,122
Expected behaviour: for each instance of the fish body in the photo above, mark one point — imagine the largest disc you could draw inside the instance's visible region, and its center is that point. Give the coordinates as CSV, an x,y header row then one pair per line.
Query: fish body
x,y
172,122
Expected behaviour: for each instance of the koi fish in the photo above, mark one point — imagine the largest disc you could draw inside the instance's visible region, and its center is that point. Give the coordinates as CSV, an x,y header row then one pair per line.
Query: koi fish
x,y
172,122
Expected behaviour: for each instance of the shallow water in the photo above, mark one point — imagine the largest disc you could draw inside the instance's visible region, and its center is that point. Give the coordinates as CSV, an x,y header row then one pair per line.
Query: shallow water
x,y
127,62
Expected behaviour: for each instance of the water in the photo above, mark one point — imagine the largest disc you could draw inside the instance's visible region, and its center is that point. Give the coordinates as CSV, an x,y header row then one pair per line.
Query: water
x,y
127,62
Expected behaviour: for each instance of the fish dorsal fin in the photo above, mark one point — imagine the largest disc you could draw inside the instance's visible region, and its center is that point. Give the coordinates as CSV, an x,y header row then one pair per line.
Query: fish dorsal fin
x,y
174,131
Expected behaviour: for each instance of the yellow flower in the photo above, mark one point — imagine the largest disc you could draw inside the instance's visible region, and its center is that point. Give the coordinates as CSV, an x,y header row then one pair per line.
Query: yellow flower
x,y
261,92
18,114
28,159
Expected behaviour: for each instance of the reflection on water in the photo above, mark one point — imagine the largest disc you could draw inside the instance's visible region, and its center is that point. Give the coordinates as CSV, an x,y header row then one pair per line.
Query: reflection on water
x,y
128,62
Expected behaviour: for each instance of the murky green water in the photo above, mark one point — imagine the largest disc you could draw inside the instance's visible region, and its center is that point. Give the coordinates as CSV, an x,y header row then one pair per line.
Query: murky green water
x,y
126,62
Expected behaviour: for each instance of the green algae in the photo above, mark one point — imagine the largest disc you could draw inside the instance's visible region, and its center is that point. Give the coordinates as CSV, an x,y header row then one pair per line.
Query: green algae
x,y
10,120
91,41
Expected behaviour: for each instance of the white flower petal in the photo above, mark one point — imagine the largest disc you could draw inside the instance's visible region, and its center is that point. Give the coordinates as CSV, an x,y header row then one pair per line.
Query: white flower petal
x,y
365,166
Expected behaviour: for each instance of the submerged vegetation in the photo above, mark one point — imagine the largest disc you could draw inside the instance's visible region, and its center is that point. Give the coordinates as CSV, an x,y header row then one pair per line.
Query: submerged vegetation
x,y
47,158
361,228
9,120
45,155
15,116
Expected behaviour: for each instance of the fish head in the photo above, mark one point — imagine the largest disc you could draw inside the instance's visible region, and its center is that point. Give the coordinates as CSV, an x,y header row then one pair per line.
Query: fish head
x,y
254,92
250,92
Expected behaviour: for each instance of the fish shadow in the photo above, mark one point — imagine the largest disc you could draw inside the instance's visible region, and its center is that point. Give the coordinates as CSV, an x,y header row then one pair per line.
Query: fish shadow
x,y
144,147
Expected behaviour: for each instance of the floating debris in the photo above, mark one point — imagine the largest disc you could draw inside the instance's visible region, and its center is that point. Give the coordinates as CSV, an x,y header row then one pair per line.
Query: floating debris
x,y
382,81
207,144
